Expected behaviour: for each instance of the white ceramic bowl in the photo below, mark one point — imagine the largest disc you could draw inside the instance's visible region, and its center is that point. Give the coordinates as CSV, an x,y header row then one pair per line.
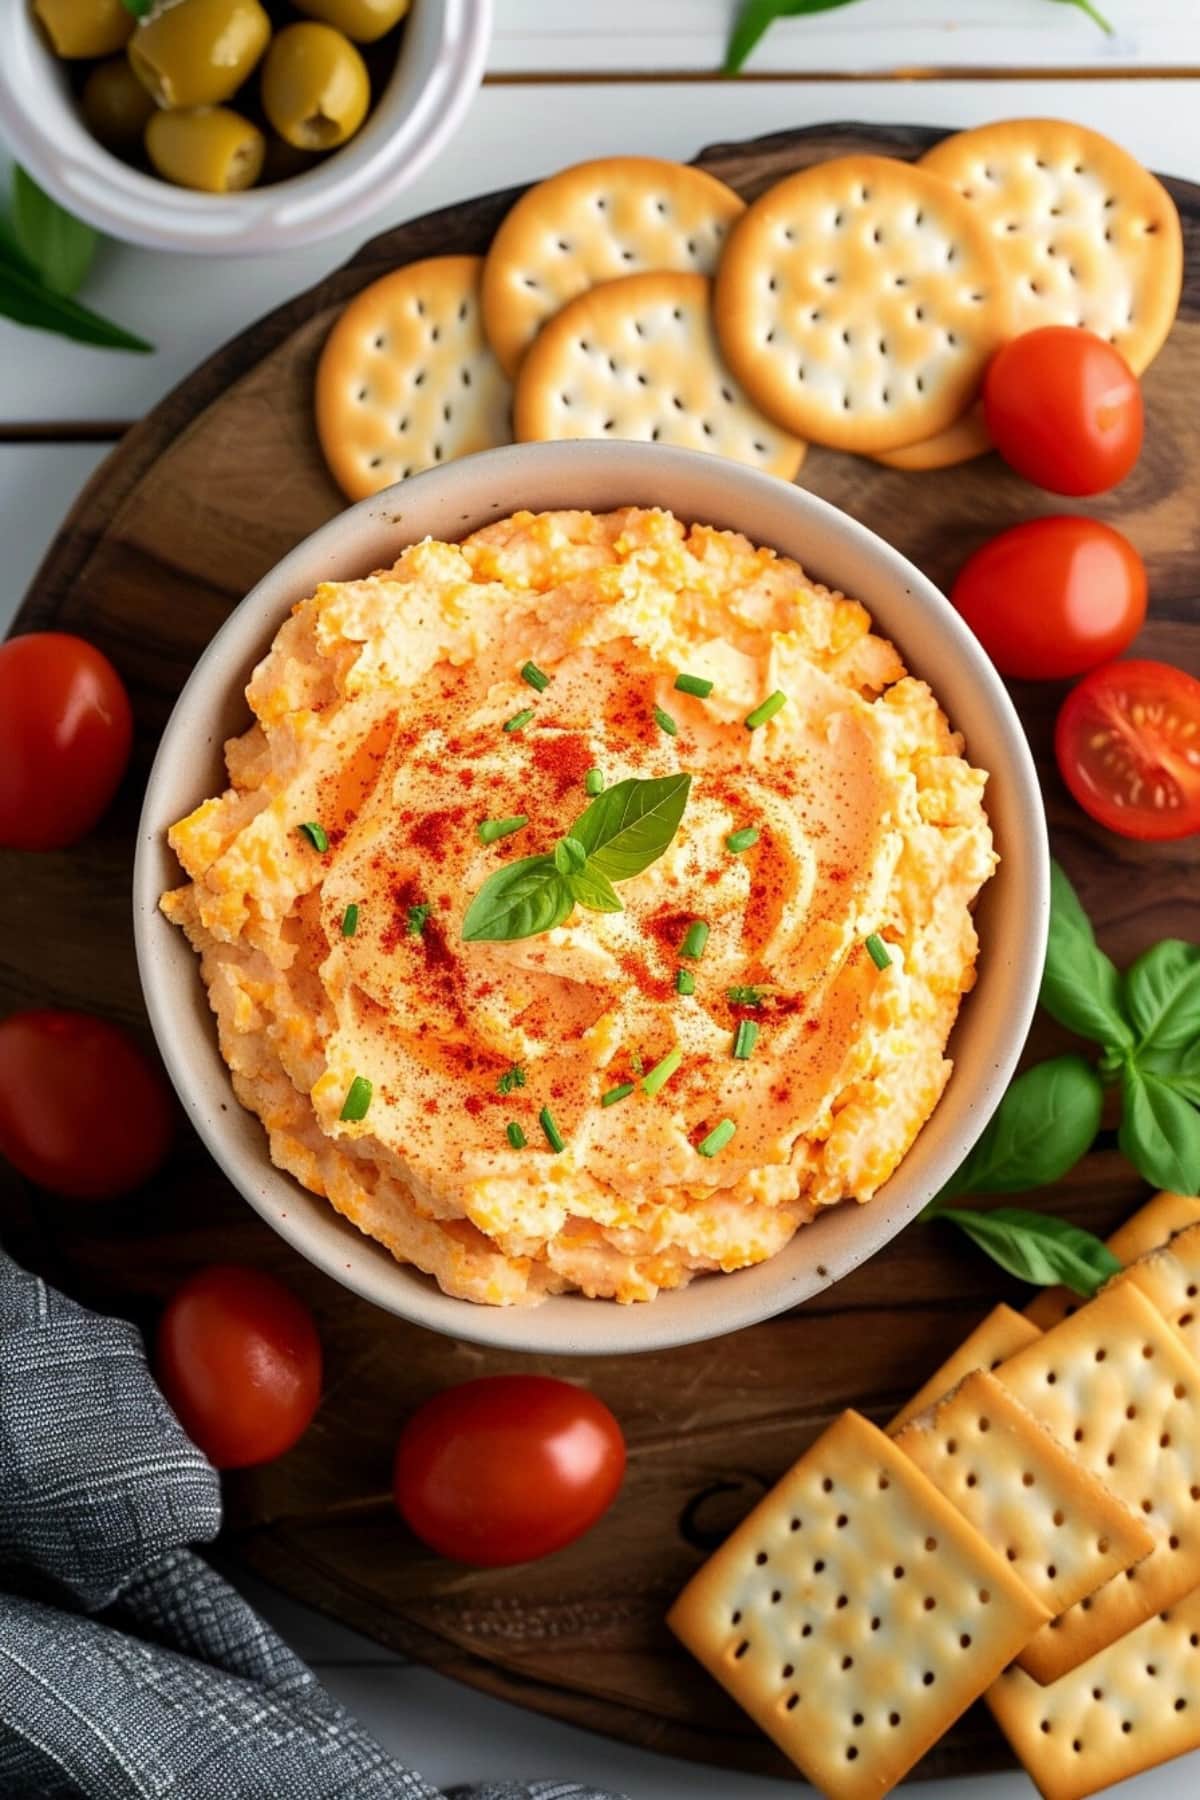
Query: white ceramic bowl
x,y
438,70
447,503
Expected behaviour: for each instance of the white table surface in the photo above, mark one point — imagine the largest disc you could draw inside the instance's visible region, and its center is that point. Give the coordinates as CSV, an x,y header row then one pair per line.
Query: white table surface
x,y
568,79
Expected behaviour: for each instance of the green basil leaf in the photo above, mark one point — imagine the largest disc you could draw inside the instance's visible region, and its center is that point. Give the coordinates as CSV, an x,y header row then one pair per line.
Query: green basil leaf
x,y
1176,1069
1162,992
1160,1132
1093,13
519,900
1041,1128
23,298
59,245
757,15
629,825
570,857
1081,987
594,890
1038,1248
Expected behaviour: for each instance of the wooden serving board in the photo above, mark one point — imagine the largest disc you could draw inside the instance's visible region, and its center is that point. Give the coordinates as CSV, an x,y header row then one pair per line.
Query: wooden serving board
x,y
200,499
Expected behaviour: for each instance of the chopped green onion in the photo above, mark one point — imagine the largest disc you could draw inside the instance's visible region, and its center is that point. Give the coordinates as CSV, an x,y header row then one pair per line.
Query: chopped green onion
x,y
511,1078
877,951
358,1099
519,721
685,981
737,841
661,1073
744,996
744,1038
350,920
489,830
770,706
694,684
693,944
717,1138
616,1093
534,676
636,1063
665,722
554,1136
593,782
417,918
316,835
515,1135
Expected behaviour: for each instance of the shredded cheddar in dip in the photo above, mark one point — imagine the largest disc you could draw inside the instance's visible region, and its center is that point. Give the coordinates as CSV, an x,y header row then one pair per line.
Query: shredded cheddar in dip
x,y
421,1081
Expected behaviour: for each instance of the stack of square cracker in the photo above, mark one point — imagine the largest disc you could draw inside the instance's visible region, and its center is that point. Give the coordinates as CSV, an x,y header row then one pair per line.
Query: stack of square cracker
x,y
1028,1531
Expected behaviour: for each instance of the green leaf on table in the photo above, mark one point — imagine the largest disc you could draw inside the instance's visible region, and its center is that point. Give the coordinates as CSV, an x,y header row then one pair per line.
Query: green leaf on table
x,y
631,824
1081,987
1038,1248
757,15
1093,13
1177,1069
519,900
1162,995
594,890
1160,1131
1046,1121
59,246
23,298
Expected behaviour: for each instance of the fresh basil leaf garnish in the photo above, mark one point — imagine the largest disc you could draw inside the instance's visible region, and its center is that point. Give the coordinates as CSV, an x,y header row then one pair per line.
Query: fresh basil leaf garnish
x,y
1046,1121
1162,993
1038,1248
1081,987
1159,1132
594,890
519,900
631,824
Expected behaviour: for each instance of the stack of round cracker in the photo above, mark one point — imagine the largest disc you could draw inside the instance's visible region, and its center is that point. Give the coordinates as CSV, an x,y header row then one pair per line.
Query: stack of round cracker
x,y
855,304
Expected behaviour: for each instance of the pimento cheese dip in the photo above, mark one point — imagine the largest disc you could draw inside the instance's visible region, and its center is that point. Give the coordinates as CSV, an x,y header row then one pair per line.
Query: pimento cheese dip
x,y
420,1081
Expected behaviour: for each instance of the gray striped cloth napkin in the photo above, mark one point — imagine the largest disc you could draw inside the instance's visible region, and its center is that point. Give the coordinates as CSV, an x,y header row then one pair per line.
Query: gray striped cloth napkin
x,y
129,1670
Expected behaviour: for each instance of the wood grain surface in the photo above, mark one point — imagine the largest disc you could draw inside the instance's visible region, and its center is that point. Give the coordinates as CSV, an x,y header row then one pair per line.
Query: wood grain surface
x,y
199,500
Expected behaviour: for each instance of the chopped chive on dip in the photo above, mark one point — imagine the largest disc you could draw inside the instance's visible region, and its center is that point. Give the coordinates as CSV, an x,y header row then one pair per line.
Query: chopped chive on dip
x,y
593,782
535,677
616,1093
515,1135
316,835
737,841
489,830
665,722
685,981
717,1138
350,919
661,1073
519,721
744,1039
695,940
770,706
511,1078
694,684
358,1099
744,996
418,917
554,1136
877,950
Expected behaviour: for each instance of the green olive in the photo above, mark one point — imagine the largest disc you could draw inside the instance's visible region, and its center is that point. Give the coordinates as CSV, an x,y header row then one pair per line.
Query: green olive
x,y
198,52
362,20
116,107
315,87
206,147
85,27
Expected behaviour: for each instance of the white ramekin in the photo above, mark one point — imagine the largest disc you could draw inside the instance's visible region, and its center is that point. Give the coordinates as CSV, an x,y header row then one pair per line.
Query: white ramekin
x,y
439,68
447,503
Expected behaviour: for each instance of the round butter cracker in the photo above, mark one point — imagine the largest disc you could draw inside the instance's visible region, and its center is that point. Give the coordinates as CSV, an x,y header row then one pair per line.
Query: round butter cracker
x,y
595,222
968,437
858,302
638,359
406,378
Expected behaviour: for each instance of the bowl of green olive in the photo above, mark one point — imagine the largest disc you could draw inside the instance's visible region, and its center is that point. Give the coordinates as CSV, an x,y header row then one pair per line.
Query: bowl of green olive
x,y
234,126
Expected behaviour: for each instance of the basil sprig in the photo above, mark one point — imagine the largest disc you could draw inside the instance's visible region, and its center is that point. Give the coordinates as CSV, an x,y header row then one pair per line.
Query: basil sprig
x,y
756,15
623,831
1046,1121
1040,1249
45,253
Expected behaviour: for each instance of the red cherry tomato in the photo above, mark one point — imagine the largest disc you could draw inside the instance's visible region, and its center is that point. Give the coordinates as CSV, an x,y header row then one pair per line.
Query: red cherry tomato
x,y
1053,597
507,1468
83,1110
1128,745
239,1359
1064,409
65,732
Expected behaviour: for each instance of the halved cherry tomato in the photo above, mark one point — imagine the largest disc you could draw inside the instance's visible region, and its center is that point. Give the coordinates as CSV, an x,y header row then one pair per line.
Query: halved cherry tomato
x,y
1064,409
239,1359
83,1110
65,732
1128,745
507,1468
1053,597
